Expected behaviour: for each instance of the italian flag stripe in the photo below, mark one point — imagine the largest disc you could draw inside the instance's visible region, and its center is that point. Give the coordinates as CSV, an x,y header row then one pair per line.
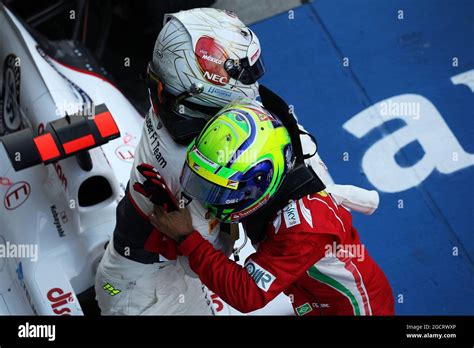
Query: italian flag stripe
x,y
360,284
345,279
316,274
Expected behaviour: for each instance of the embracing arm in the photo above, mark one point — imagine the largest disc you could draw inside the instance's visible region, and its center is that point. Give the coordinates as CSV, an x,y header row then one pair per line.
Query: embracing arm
x,y
276,265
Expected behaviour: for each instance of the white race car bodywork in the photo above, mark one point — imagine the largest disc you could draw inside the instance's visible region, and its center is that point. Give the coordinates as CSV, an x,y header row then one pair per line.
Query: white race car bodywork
x,y
41,206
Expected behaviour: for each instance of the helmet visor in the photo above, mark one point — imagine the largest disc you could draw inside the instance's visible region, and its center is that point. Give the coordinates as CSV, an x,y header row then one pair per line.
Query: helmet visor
x,y
251,74
213,193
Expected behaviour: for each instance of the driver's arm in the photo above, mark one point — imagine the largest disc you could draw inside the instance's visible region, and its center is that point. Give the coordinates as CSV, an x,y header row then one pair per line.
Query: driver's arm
x,y
278,263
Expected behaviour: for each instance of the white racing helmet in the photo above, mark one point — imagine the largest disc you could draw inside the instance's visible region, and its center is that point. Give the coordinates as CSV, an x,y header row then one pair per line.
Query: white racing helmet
x,y
203,59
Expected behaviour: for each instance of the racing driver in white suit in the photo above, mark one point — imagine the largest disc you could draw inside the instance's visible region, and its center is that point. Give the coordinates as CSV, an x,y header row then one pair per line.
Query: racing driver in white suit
x,y
202,60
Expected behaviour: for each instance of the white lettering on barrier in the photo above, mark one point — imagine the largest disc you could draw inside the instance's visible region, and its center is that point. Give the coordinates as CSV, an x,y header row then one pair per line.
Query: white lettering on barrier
x,y
442,150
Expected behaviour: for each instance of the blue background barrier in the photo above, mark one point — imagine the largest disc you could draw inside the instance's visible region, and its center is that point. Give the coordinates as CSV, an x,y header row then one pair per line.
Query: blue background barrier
x,y
333,60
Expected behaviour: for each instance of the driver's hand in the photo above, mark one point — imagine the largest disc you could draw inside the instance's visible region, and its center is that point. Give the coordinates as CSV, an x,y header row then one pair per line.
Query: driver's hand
x,y
176,225
155,188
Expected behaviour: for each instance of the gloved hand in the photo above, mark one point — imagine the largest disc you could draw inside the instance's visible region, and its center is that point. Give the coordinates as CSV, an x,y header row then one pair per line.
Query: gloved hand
x,y
155,189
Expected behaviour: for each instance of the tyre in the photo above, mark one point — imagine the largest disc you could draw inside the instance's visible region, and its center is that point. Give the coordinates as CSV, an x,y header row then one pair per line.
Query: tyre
x,y
10,115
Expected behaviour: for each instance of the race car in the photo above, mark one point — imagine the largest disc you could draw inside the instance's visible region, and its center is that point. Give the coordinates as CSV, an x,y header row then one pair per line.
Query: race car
x,y
58,208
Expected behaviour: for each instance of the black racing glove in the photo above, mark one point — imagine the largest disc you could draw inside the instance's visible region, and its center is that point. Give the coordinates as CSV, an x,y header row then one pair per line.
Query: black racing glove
x,y
154,188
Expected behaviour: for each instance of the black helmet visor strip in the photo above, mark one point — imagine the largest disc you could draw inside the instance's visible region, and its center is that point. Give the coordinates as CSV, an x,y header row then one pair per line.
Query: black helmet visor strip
x,y
242,71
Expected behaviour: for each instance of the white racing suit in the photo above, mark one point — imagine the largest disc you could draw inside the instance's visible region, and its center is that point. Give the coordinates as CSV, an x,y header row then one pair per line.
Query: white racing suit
x,y
142,263
127,287
140,272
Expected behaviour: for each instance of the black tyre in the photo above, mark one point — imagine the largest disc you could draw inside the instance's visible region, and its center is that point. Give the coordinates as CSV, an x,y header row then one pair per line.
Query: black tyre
x,y
10,115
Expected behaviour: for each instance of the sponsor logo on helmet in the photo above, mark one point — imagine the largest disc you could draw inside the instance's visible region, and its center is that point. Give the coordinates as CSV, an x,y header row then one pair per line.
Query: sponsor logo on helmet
x,y
232,184
219,92
264,116
241,214
260,275
204,158
214,78
211,57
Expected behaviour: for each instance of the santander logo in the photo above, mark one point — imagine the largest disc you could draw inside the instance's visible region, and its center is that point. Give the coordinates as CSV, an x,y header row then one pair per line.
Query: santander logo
x,y
211,57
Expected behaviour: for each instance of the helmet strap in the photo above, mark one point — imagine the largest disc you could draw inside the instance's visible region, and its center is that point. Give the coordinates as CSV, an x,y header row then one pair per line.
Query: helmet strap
x,y
300,181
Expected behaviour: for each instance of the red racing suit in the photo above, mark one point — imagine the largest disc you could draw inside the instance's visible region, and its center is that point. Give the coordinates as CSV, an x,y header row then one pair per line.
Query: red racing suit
x,y
311,252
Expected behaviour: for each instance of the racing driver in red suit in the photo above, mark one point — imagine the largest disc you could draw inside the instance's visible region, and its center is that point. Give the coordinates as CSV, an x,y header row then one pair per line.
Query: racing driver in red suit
x,y
308,247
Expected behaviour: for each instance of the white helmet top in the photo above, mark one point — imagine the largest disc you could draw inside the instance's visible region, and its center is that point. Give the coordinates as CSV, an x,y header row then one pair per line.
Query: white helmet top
x,y
207,56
